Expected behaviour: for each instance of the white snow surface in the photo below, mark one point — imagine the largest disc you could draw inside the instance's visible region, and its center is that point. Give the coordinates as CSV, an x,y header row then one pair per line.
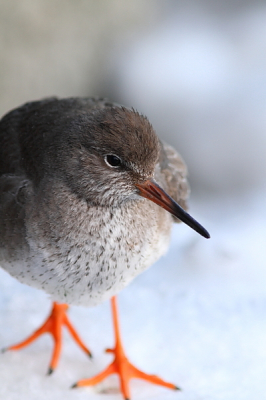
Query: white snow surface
x,y
197,318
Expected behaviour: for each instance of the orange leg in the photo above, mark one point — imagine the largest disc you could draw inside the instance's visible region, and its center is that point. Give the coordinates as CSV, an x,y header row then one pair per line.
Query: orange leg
x,y
53,325
121,365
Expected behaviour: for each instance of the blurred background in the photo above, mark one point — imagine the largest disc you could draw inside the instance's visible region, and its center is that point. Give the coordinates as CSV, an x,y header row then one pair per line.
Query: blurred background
x,y
197,69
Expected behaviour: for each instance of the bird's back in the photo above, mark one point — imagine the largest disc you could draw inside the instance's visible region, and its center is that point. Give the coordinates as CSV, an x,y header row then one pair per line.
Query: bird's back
x,y
21,138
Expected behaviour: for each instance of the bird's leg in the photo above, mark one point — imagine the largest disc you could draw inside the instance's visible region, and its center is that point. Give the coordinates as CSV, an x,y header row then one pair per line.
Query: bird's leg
x,y
121,364
53,325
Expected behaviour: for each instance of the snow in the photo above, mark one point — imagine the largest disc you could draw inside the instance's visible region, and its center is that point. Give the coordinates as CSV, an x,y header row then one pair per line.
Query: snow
x,y
197,318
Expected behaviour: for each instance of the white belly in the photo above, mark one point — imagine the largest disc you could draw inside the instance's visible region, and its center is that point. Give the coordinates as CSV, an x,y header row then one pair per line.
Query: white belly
x,y
86,257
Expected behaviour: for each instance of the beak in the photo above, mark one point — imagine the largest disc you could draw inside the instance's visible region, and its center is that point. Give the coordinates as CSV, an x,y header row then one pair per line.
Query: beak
x,y
150,190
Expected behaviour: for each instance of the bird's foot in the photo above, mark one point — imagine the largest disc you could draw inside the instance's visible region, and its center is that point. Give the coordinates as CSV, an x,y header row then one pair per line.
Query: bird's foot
x,y
53,325
126,371
122,366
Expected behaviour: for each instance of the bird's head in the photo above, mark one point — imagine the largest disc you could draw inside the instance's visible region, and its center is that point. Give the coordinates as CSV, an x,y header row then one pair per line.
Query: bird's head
x,y
110,156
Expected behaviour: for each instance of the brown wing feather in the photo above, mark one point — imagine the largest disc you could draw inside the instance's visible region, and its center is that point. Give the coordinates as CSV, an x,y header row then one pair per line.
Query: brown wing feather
x,y
174,173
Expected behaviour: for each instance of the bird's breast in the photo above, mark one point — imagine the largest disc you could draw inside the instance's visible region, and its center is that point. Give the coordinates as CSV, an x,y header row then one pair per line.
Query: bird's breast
x,y
84,255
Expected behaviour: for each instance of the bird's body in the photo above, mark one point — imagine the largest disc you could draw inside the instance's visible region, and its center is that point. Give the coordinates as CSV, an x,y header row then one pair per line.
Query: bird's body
x,y
70,223
85,206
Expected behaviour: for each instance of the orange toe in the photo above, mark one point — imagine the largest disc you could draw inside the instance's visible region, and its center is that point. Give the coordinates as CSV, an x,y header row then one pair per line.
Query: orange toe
x,y
121,366
126,371
53,325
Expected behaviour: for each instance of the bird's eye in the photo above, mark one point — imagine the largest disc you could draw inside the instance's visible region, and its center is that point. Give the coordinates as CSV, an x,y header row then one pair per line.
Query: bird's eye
x,y
112,160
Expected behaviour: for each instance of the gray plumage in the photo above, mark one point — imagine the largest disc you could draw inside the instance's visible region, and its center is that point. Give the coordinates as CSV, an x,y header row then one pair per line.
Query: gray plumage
x,y
70,223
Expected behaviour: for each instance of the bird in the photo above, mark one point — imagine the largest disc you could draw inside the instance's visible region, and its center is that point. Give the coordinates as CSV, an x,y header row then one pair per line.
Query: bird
x,y
88,197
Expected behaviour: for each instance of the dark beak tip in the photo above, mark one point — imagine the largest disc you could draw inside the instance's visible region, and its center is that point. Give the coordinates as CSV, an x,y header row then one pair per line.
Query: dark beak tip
x,y
199,229
207,235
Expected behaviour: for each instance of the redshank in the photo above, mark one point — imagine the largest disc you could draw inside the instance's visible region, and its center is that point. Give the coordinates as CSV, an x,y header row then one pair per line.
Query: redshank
x,y
88,195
